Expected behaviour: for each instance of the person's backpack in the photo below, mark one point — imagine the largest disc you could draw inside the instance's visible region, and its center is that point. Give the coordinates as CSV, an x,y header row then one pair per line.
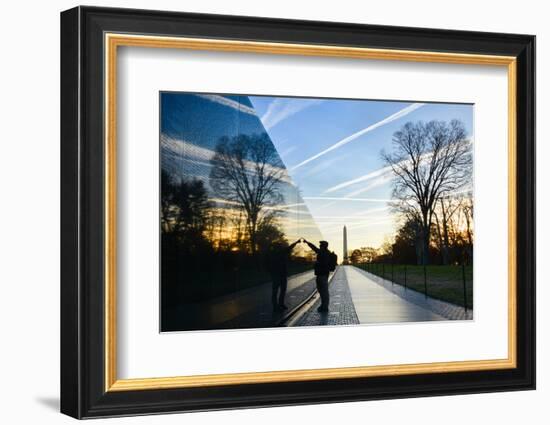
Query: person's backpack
x,y
332,261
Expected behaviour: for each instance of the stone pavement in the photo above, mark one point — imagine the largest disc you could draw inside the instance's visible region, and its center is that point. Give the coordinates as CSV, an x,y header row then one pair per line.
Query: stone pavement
x,y
359,297
374,303
446,310
341,307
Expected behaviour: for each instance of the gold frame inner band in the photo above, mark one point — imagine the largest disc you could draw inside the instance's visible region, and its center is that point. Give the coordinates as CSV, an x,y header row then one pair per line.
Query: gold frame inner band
x,y
113,41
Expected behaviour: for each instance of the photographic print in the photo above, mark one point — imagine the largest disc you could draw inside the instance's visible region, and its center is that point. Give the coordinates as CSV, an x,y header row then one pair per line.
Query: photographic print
x,y
287,211
311,226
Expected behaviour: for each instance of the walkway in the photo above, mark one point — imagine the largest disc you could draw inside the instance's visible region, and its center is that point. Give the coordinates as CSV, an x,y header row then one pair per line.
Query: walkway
x,y
341,308
358,297
447,310
376,304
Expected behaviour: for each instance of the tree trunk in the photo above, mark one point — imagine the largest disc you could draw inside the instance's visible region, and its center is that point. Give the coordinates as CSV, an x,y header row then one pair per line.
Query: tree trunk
x,y
426,249
439,238
470,240
418,244
426,224
445,252
419,250
253,227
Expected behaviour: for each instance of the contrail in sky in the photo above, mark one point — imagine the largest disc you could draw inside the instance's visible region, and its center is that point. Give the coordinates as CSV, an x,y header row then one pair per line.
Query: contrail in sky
x,y
399,114
381,175
379,181
329,198
373,174
228,102
281,109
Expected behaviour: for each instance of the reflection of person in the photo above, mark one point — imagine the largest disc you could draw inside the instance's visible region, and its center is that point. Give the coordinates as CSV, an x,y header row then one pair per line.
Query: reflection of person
x,y
322,270
277,266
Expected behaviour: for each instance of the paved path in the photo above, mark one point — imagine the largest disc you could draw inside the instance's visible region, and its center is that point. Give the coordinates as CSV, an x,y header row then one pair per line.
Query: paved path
x,y
357,297
447,310
341,308
376,304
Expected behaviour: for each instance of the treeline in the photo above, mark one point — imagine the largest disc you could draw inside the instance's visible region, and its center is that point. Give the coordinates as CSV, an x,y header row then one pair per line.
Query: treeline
x,y
451,238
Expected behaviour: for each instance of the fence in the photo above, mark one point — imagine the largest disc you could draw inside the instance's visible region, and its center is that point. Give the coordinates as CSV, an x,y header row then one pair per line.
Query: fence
x,y
453,284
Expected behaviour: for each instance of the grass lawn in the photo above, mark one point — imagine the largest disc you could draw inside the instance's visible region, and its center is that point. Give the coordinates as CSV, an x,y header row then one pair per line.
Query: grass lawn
x,y
442,282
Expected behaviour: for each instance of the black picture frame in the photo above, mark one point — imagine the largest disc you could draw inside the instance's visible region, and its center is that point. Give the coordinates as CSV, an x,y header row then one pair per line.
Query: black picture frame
x,y
83,392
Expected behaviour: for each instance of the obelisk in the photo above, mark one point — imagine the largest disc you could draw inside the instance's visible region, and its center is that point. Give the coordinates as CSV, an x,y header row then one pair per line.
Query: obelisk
x,y
345,245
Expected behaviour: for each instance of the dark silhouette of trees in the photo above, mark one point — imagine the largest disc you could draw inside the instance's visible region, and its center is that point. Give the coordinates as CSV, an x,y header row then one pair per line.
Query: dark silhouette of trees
x,y
451,234
444,212
356,256
269,234
247,170
184,209
429,161
408,247
166,201
185,214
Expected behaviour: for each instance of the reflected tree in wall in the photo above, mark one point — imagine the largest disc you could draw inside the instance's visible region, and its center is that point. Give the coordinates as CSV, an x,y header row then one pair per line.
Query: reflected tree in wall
x,y
247,170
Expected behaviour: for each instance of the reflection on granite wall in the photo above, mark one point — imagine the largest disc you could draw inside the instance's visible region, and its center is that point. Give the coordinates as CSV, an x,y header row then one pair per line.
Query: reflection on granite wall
x,y
229,213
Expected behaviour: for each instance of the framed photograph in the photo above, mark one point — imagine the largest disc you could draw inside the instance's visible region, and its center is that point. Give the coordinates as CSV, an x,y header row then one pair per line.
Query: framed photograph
x,y
261,212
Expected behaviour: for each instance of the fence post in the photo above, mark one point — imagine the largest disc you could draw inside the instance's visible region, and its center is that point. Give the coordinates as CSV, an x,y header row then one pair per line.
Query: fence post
x,y
405,277
464,286
383,271
392,271
425,284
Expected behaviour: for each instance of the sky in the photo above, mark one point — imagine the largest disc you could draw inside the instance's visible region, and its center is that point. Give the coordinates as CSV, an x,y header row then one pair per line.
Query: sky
x,y
332,151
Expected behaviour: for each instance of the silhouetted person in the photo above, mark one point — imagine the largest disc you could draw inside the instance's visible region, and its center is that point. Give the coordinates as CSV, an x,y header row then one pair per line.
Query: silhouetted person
x,y
324,264
277,267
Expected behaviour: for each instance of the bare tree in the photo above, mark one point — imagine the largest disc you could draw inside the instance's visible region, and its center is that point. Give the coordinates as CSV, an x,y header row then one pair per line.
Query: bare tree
x,y
429,161
468,211
248,171
446,209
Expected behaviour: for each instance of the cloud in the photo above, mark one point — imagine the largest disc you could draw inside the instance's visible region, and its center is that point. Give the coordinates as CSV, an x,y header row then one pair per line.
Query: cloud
x,y
322,166
299,204
228,102
175,150
372,175
282,108
329,198
371,211
399,114
382,176
377,182
288,151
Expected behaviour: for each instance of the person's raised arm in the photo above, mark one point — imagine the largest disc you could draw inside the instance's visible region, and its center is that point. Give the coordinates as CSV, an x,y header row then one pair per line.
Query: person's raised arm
x,y
312,247
292,245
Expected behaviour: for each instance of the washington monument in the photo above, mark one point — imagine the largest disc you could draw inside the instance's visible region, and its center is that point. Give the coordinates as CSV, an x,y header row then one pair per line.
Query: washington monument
x,y
345,245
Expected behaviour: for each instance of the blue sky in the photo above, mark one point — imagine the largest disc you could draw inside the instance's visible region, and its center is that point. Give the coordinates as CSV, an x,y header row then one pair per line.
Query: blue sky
x,y
332,148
